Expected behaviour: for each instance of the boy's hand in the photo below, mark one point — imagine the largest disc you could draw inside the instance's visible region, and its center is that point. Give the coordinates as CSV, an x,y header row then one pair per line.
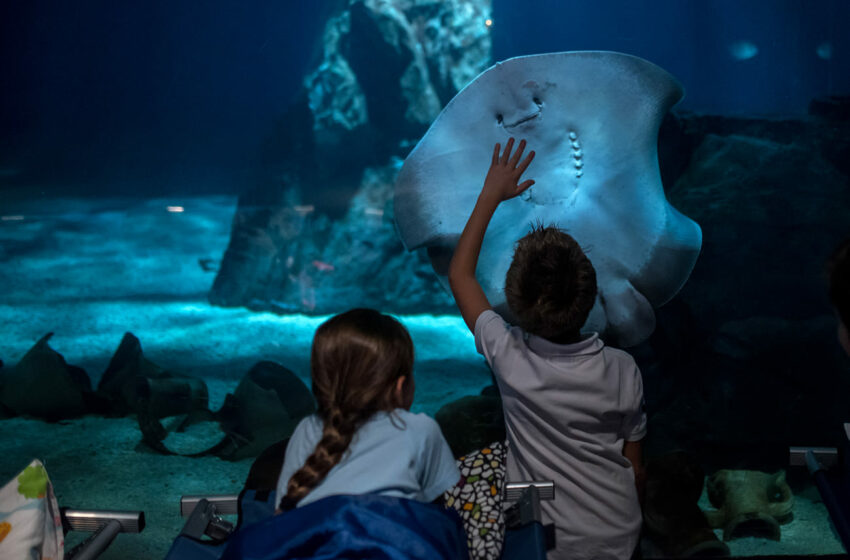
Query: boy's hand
x,y
502,181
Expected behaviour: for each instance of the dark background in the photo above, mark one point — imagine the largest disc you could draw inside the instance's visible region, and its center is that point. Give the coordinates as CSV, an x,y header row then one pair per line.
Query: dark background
x,y
160,96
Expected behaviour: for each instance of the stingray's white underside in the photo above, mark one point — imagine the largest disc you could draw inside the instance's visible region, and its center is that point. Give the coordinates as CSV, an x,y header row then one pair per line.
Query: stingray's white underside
x,y
592,118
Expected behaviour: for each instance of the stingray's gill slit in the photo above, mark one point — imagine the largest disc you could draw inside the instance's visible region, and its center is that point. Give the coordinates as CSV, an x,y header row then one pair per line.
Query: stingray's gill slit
x,y
522,120
578,155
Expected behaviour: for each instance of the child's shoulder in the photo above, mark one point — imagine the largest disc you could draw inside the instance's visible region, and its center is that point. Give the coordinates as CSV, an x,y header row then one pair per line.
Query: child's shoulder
x,y
419,423
415,419
618,353
619,356
308,426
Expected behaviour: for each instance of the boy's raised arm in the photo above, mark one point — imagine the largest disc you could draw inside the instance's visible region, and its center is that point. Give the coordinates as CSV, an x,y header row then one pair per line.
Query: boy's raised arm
x,y
501,183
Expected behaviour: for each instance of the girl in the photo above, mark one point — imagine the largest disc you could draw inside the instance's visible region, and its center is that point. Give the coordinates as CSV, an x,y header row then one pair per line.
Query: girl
x,y
363,439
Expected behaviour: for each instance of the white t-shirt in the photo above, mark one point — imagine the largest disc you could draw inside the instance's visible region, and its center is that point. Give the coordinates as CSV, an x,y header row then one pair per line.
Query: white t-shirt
x,y
568,410
394,454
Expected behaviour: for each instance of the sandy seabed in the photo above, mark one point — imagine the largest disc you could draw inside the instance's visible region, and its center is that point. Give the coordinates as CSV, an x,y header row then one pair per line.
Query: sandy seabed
x,y
91,270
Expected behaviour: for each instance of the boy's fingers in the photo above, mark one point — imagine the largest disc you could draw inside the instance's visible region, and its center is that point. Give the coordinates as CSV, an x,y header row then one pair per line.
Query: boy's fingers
x,y
518,154
524,185
508,147
525,163
496,151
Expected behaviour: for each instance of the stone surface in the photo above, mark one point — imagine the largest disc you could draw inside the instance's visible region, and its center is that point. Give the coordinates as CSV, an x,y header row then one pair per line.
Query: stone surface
x,y
315,235
265,407
744,361
292,259
134,384
750,503
43,385
836,107
389,66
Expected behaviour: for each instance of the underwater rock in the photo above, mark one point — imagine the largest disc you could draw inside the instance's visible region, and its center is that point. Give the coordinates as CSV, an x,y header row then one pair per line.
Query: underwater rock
x,y
288,260
134,384
265,408
592,118
765,206
389,66
385,71
193,434
264,256
44,385
834,107
471,423
753,324
365,260
779,382
672,518
683,132
749,503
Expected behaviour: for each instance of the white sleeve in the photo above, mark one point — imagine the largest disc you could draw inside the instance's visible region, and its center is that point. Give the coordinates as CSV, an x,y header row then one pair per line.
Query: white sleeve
x,y
634,421
437,466
491,334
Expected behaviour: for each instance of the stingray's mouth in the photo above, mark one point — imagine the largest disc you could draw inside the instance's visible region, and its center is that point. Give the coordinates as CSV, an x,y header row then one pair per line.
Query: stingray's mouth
x,y
521,121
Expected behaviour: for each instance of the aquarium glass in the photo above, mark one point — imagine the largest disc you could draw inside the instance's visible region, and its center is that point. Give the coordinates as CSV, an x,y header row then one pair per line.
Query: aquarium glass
x,y
188,190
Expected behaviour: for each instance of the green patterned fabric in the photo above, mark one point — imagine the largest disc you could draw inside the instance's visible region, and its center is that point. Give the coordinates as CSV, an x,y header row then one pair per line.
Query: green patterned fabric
x,y
30,524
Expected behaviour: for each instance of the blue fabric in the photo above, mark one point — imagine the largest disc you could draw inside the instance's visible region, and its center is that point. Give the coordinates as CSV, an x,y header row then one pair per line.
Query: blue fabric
x,y
370,527
253,509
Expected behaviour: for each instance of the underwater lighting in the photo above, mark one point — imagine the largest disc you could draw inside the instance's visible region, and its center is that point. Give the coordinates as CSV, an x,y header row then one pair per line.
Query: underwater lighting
x,y
15,218
488,22
743,50
193,308
304,209
374,212
824,51
176,209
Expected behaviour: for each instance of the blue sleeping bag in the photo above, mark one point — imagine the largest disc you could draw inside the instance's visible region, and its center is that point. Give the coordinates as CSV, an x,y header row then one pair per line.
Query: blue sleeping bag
x,y
367,526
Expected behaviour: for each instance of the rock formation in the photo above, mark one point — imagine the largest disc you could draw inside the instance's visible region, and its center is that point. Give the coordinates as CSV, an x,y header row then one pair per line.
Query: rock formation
x,y
44,385
318,236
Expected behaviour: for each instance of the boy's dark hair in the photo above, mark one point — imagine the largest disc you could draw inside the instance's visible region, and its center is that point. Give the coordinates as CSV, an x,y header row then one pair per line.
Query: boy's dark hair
x,y
551,285
838,271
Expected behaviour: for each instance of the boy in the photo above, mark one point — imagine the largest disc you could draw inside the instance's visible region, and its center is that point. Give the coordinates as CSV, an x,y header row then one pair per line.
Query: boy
x,y
572,406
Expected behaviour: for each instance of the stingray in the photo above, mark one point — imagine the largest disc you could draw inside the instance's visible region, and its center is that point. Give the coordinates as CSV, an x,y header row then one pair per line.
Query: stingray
x,y
592,118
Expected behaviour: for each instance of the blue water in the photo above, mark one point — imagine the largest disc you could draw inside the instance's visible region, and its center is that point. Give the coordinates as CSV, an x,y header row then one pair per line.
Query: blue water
x,y
161,97
113,115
